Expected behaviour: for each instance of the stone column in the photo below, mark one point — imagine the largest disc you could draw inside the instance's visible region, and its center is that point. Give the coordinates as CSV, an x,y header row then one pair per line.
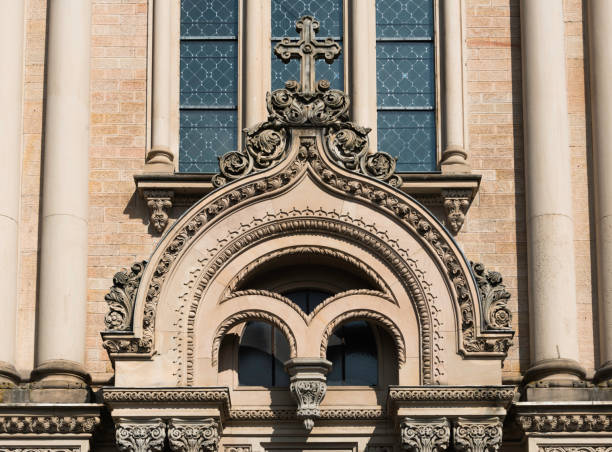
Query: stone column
x,y
550,225
600,65
60,336
361,52
11,83
160,158
257,61
454,156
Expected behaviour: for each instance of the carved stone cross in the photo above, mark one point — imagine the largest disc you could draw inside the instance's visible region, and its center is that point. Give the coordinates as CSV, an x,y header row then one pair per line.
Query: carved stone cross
x,y
307,49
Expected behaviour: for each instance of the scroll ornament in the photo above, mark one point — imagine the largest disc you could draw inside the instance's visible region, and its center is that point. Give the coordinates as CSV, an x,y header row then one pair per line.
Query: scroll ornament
x,y
122,296
140,436
428,435
478,436
193,436
494,298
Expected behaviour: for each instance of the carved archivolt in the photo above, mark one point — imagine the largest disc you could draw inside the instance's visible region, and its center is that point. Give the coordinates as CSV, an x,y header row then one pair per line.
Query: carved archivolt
x,y
245,316
376,317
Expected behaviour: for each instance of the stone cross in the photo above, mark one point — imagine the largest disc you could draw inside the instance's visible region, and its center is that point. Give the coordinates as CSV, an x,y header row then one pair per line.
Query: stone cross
x,y
307,49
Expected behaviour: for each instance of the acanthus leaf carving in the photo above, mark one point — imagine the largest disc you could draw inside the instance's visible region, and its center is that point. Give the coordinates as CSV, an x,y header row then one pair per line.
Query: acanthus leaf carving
x,y
48,424
121,297
308,386
193,435
494,298
425,435
140,436
543,423
478,436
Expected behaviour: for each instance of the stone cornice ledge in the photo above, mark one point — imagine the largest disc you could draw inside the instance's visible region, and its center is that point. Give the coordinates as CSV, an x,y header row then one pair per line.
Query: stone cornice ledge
x,y
216,397
27,419
450,401
534,418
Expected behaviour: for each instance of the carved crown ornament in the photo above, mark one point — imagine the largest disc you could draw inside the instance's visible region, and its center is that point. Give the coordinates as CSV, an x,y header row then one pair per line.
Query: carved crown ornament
x,y
307,132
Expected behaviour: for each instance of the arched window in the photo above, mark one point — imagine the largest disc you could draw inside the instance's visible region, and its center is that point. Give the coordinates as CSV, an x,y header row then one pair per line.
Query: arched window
x,y
262,353
353,353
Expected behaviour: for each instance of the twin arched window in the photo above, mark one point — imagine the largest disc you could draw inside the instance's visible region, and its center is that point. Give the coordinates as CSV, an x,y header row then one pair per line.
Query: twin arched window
x,y
352,350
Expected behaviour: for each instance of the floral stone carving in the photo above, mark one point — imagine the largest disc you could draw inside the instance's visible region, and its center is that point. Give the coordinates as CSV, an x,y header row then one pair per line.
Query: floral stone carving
x,y
146,436
193,435
308,386
482,436
425,435
494,298
121,298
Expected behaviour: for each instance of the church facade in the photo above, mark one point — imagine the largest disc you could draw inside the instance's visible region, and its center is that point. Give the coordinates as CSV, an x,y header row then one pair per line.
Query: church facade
x,y
332,225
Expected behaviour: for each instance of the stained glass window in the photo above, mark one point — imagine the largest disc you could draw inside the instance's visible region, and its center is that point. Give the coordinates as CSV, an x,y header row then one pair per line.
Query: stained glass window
x,y
209,83
405,83
329,14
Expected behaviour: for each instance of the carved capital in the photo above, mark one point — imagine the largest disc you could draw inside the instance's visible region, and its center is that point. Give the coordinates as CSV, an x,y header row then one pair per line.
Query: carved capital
x,y
159,203
425,435
478,436
137,436
193,435
456,204
308,386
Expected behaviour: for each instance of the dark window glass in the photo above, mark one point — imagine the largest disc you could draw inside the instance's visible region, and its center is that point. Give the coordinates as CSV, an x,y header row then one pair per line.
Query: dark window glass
x,y
352,351
307,300
405,82
262,352
209,83
329,15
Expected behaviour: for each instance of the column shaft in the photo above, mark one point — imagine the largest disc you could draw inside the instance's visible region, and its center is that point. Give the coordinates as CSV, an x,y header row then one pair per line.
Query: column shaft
x,y
11,87
60,338
600,65
454,156
550,225
256,58
362,65
160,158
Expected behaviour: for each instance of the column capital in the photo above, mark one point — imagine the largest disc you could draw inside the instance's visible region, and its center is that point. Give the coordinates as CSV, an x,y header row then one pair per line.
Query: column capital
x,y
478,435
193,435
140,435
425,435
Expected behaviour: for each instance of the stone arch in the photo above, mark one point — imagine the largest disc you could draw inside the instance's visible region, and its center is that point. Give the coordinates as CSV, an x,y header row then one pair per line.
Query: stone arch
x,y
374,316
245,316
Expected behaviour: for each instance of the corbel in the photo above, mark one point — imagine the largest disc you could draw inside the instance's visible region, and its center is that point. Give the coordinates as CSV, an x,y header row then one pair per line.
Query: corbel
x,y
159,203
456,204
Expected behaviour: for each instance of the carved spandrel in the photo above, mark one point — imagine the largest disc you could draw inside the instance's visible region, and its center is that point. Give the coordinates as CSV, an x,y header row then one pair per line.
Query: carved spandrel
x,y
425,435
307,49
478,436
193,435
146,436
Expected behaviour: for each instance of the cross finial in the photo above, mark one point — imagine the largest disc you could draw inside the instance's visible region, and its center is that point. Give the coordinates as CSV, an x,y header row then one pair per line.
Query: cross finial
x,y
307,49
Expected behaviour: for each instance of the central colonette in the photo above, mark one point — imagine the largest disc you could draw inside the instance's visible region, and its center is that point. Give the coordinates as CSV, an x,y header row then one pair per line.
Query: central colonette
x,y
307,204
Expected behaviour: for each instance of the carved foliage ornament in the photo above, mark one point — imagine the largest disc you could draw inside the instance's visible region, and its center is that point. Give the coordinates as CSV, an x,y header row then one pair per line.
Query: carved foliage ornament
x,y
121,297
456,204
429,435
309,394
565,423
493,297
193,436
473,436
159,203
48,424
146,436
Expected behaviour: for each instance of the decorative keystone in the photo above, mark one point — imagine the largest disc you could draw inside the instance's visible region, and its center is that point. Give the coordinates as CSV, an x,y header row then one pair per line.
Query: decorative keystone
x,y
308,386
193,435
140,436
159,203
456,204
425,435
478,436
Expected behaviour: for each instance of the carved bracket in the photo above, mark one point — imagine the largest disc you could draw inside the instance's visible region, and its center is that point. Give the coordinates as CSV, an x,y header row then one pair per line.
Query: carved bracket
x,y
477,436
456,204
193,435
121,298
425,435
159,203
308,386
140,436
493,298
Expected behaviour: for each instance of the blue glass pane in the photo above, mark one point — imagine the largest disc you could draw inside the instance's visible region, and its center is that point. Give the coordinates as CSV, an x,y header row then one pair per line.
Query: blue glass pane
x,y
410,136
209,17
204,136
404,19
352,351
282,72
209,75
261,356
405,74
286,12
